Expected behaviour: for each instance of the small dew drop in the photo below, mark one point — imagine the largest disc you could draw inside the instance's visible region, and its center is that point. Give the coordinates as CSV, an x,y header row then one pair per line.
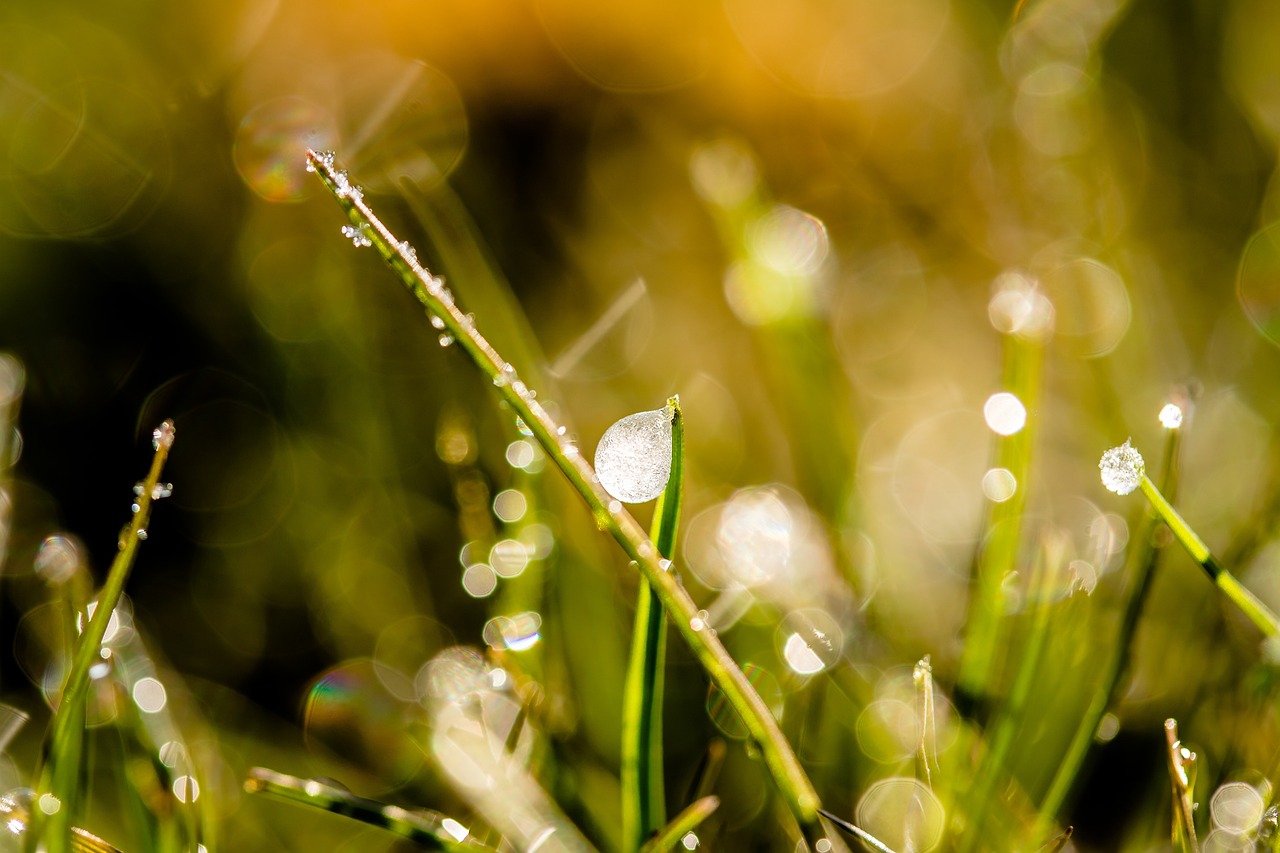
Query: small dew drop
x,y
142,533
437,322
521,426
161,491
356,234
1122,469
633,458
409,253
139,487
1171,416
446,340
519,387
134,507
665,565
162,436
699,621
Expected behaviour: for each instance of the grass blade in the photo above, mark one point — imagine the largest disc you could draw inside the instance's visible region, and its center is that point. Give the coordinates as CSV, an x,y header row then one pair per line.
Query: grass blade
x,y
61,776
1180,761
427,828
684,823
430,291
643,792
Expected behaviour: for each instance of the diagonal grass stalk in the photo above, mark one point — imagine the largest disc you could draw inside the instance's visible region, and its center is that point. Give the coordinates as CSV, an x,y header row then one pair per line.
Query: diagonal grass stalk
x,y
1250,605
780,759
61,776
1181,774
643,805
426,828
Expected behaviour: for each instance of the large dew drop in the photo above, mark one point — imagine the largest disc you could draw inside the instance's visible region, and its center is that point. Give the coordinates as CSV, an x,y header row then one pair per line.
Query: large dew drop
x,y
1122,469
633,459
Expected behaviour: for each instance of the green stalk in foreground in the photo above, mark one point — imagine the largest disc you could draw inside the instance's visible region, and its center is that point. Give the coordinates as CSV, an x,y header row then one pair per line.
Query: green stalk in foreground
x,y
367,230
60,779
1123,471
1143,555
643,805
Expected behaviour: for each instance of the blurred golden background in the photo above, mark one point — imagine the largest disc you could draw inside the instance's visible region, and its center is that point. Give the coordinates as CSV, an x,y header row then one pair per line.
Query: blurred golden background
x,y
816,221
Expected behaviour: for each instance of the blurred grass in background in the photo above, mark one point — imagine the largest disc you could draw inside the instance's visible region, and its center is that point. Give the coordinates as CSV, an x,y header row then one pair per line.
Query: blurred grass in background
x,y
824,225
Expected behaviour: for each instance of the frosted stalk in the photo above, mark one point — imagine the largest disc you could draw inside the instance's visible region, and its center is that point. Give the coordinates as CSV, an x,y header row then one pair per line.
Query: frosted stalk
x,y
633,459
1122,469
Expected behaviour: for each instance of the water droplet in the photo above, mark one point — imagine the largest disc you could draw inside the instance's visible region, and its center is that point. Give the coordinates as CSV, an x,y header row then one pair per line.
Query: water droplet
x,y
633,458
409,253
163,435
446,340
519,387
699,621
1171,416
505,375
521,426
134,507
139,487
161,491
437,322
357,235
1122,469
142,533
665,565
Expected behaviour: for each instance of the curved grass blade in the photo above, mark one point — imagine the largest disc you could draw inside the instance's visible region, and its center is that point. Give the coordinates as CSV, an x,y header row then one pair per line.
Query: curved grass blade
x,y
63,771
643,806
783,765
430,829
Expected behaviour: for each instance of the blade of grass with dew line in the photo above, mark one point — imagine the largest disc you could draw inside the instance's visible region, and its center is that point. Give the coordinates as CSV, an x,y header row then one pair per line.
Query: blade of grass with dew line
x,y
422,826
1141,567
780,759
643,792
684,823
61,776
980,661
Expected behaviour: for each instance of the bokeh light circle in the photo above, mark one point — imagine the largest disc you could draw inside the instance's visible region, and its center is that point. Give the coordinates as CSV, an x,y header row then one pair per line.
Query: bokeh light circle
x,y
271,144
903,813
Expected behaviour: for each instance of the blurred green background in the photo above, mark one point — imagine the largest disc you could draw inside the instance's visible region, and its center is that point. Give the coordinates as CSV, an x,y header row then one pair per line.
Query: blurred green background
x,y
795,215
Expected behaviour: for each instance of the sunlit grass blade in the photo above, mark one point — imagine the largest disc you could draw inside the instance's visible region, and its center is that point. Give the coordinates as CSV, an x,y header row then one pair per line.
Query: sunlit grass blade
x,y
1010,716
643,803
428,828
1143,556
610,516
1055,844
980,662
926,746
684,823
1181,773
60,778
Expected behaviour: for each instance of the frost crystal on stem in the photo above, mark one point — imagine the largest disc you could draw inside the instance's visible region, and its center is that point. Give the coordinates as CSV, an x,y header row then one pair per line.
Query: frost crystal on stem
x,y
1122,469
633,459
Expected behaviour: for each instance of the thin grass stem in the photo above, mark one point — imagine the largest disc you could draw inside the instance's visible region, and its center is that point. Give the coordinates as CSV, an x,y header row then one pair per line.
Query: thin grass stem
x,y
610,516
684,823
422,826
643,804
60,779
857,832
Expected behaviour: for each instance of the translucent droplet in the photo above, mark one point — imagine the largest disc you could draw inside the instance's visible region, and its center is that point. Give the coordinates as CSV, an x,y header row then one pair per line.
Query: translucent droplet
x,y
142,533
437,322
521,426
446,340
1171,416
665,565
356,234
699,621
163,435
161,491
1122,469
633,459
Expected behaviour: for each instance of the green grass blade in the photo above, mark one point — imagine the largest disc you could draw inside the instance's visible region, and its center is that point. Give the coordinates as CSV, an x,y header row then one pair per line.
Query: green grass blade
x,y
63,771
429,829
780,759
684,823
643,805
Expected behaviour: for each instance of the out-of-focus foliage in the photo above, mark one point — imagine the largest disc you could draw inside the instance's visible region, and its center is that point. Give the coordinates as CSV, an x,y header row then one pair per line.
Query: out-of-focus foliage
x,y
821,224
